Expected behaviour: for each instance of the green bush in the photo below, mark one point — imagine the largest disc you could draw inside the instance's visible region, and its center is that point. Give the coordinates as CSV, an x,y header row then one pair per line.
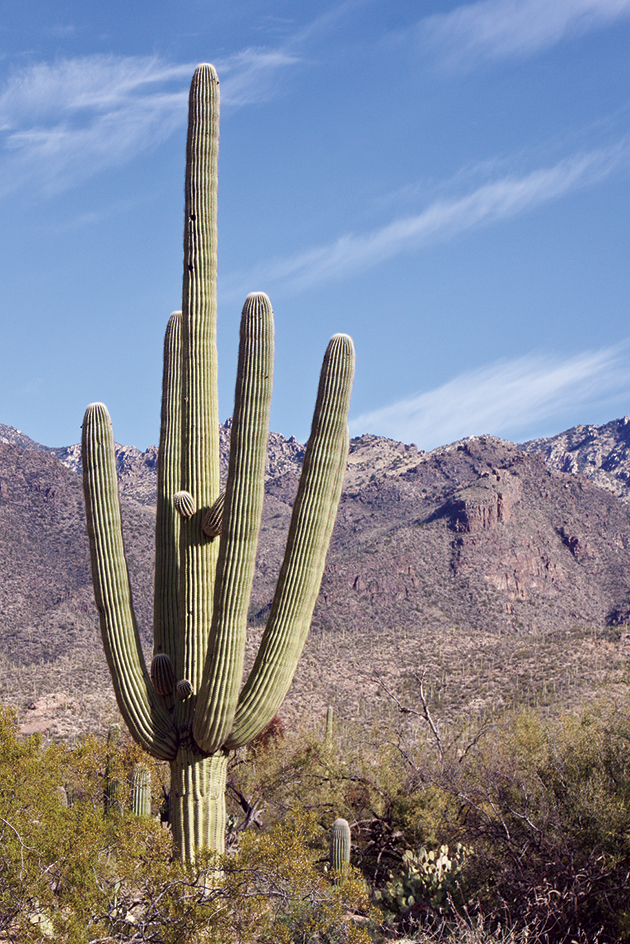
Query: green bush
x,y
546,807
540,806
79,874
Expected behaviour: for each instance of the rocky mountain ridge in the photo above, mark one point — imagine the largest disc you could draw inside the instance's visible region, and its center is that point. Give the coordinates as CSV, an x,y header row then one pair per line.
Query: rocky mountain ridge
x,y
137,470
601,453
496,573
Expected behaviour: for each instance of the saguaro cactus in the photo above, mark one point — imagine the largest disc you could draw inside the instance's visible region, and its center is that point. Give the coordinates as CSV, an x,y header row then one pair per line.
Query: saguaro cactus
x,y
339,848
112,791
189,709
140,790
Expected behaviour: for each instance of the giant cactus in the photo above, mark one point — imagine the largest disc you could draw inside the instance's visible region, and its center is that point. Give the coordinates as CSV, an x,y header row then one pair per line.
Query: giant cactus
x,y
190,709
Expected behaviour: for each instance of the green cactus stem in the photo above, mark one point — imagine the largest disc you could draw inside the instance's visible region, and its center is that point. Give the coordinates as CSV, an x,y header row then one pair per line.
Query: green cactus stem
x,y
206,541
339,849
112,791
162,674
140,790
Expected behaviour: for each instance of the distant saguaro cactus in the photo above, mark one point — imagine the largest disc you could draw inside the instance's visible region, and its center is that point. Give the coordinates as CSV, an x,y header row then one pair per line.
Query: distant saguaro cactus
x,y
140,790
339,848
112,791
328,731
190,709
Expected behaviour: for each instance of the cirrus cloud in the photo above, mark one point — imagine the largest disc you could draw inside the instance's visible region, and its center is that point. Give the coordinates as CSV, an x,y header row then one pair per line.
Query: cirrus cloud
x,y
498,29
507,397
442,220
63,122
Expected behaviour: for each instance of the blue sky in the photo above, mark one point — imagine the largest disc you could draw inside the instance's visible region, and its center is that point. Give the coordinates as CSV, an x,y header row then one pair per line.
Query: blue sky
x,y
447,182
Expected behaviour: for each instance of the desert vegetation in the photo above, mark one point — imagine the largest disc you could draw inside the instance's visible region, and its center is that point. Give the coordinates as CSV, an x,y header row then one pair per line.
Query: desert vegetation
x,y
512,828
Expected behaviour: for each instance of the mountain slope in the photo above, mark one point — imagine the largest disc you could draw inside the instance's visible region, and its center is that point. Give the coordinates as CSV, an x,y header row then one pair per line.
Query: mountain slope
x,y
476,563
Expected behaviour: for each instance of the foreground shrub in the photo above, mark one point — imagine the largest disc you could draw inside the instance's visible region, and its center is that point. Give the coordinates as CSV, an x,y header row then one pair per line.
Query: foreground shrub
x,y
540,808
546,807
540,804
82,873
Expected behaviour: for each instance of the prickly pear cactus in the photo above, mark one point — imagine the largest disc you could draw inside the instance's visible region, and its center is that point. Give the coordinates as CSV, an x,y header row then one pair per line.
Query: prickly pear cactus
x,y
191,709
428,878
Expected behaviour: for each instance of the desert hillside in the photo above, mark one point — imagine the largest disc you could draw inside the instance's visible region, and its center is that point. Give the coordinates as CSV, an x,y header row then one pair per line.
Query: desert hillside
x,y
498,571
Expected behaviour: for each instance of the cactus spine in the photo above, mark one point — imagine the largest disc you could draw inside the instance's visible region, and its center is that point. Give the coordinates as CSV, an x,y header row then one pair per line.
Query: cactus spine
x,y
189,710
339,848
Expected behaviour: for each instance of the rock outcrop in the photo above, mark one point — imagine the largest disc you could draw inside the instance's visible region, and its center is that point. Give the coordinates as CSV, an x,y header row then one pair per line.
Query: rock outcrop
x,y
601,453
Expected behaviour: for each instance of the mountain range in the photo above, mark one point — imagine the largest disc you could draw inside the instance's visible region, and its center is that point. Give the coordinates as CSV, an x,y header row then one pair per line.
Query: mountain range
x,y
498,573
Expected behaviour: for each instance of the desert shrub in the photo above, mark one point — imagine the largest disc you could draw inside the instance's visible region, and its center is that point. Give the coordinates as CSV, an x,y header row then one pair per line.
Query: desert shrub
x,y
546,807
81,875
540,806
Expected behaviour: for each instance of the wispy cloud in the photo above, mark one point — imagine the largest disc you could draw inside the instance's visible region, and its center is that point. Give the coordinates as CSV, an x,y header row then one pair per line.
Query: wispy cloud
x,y
496,29
250,76
443,219
65,121
509,396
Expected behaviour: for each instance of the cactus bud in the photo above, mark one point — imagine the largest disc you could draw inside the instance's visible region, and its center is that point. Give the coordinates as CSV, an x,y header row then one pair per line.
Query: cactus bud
x,y
212,523
184,688
184,504
162,674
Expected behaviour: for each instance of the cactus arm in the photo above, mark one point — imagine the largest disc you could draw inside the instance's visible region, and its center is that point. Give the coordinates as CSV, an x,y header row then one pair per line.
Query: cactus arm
x,y
165,612
200,410
240,527
146,718
310,531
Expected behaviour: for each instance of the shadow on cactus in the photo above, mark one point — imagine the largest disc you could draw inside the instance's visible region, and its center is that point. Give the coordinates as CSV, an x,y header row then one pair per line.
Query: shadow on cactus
x,y
190,709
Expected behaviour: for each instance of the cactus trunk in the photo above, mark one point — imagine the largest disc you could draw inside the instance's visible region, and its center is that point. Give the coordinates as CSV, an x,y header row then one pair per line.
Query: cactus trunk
x,y
189,709
198,801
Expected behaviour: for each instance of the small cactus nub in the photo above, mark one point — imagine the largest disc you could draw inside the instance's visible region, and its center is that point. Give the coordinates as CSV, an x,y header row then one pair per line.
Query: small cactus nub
x,y
212,523
184,504
184,688
162,674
